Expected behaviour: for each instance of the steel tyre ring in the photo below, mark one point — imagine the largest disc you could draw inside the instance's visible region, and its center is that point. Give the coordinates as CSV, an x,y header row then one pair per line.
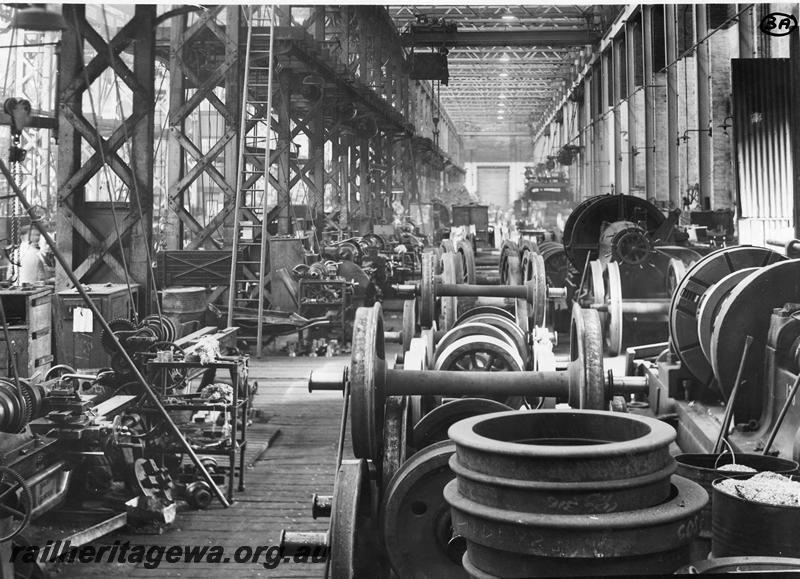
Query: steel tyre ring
x,y
563,462
434,426
511,544
686,299
367,370
476,329
416,518
479,310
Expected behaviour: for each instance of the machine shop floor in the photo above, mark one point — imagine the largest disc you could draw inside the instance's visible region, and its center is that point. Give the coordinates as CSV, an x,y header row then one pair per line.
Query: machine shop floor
x,y
291,455
299,462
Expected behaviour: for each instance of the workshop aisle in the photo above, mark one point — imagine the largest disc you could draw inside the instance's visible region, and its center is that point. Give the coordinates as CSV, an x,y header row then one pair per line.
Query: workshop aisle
x,y
299,461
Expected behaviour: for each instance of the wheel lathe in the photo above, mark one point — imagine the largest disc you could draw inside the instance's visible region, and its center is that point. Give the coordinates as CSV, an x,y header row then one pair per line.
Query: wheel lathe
x,y
583,385
621,244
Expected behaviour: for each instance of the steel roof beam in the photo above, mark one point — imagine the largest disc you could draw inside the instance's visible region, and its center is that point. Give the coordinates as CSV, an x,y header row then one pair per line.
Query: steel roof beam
x,y
550,38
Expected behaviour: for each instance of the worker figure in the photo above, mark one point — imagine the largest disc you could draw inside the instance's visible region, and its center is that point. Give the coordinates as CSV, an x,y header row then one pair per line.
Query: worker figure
x,y
33,261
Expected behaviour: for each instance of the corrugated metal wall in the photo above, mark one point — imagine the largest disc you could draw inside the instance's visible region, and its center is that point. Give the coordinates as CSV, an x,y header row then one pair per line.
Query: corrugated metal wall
x,y
761,127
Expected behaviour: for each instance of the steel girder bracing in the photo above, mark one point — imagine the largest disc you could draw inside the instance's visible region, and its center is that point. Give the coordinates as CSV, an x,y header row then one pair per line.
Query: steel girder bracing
x,y
204,98
119,155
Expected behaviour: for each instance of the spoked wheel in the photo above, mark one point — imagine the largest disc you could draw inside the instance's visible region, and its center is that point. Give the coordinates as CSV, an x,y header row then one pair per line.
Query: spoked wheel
x,y
508,327
16,502
416,519
482,354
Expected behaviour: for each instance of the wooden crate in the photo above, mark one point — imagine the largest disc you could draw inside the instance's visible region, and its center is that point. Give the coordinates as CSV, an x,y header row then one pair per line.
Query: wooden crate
x,y
28,312
84,349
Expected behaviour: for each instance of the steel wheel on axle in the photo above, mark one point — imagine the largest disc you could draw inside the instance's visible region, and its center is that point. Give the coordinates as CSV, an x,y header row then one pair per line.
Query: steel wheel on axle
x,y
420,405
521,306
482,354
449,304
508,249
467,256
350,550
416,518
395,436
586,361
367,371
427,306
533,273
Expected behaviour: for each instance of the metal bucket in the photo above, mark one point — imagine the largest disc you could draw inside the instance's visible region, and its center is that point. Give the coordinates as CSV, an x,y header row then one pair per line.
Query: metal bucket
x,y
563,493
185,306
742,527
704,470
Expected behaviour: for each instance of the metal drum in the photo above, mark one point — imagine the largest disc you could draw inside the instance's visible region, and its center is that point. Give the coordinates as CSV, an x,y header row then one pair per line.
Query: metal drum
x,y
704,469
744,527
567,492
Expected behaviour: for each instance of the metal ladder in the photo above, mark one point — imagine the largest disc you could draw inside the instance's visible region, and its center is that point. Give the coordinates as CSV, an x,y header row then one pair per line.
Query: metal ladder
x,y
250,243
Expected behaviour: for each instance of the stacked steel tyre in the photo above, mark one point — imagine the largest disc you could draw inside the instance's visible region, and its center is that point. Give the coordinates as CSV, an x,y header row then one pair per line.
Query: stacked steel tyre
x,y
570,492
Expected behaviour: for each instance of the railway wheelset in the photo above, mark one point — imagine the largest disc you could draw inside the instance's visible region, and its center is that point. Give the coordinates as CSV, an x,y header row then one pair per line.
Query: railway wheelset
x,y
390,499
438,294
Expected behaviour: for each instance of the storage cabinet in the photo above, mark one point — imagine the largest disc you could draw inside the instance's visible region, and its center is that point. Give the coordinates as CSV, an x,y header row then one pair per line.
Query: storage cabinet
x,y
28,314
83,349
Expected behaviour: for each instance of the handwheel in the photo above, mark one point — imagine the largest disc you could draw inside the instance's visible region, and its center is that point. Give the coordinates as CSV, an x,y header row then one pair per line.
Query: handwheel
x,y
15,501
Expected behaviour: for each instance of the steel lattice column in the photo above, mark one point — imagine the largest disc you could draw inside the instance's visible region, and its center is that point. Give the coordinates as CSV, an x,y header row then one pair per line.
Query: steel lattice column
x,y
96,253
204,55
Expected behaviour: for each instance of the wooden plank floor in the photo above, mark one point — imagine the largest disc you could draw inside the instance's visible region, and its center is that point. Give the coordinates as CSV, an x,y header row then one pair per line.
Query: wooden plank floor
x,y
299,462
